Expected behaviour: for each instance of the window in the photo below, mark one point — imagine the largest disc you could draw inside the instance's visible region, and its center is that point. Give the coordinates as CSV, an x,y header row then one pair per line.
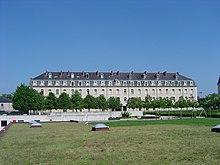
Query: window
x,y
49,83
49,90
166,83
125,98
80,83
138,83
72,83
173,91
102,83
185,83
173,83
159,83
167,91
139,91
110,83
64,83
87,83
110,91
42,91
72,91
72,75
153,91
50,75
34,83
57,83
87,75
146,83
125,91
42,83
152,83
124,83
80,92
102,75
95,92
87,92
132,91
117,91
132,83
160,91
179,91
185,91
103,92
2,105
191,83
191,91
179,83
57,92
64,90
146,91
95,83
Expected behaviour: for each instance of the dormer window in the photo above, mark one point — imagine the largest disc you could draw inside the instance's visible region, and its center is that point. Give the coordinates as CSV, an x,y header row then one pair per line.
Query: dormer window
x,y
191,83
102,83
64,83
50,75
132,83
34,83
110,83
95,83
146,83
138,83
49,83
57,83
166,83
72,75
102,75
185,83
42,83
87,83
173,83
87,75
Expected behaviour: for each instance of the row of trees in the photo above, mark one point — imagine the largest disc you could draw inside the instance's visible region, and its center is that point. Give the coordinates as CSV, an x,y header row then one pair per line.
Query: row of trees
x,y
26,98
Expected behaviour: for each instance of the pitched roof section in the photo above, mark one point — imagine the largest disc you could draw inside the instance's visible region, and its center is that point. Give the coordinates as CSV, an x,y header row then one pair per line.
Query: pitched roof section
x,y
110,76
5,100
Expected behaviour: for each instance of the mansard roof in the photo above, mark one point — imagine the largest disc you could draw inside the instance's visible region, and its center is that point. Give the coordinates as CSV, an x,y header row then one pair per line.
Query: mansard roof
x,y
5,100
110,76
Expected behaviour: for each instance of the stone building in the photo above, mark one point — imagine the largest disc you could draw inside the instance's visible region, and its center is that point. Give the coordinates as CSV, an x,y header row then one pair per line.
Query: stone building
x,y
122,85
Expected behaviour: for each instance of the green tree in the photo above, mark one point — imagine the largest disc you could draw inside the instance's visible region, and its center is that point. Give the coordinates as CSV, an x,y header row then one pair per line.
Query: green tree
x,y
89,102
114,103
51,101
26,98
64,102
147,102
102,103
77,101
134,103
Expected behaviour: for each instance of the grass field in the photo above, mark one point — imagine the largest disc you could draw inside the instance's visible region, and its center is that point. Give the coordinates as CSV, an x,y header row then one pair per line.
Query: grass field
x,y
186,141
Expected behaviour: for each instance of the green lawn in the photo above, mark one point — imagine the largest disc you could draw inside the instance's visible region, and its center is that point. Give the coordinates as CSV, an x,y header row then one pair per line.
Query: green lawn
x,y
183,141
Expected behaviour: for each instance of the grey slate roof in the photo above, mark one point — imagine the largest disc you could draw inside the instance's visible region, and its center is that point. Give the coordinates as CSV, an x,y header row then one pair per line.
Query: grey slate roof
x,y
110,76
5,100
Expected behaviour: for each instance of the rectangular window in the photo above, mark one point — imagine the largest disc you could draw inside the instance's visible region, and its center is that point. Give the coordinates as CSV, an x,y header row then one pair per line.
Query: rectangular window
x,y
179,91
191,91
110,83
125,91
185,83
57,92
79,83
95,83
166,83
160,91
103,92
132,91
102,83
64,90
64,83
173,83
146,83
124,83
138,83
49,90
42,83
110,91
152,83
191,83
57,83
87,92
95,92
117,91
139,91
153,91
167,91
125,98
159,83
185,91
173,91
87,83
42,91
146,91
179,83
80,92
72,91
132,83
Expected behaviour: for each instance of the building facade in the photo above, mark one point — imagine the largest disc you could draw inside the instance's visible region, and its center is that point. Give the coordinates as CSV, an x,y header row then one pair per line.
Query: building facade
x,y
122,85
218,86
6,105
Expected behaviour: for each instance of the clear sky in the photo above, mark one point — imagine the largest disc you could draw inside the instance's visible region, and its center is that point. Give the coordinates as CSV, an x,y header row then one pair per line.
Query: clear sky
x,y
105,35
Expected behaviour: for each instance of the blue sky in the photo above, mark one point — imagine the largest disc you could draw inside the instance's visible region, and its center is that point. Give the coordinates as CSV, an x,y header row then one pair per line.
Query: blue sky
x,y
105,35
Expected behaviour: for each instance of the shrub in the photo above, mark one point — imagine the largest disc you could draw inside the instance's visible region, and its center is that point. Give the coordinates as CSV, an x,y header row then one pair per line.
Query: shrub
x,y
125,114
